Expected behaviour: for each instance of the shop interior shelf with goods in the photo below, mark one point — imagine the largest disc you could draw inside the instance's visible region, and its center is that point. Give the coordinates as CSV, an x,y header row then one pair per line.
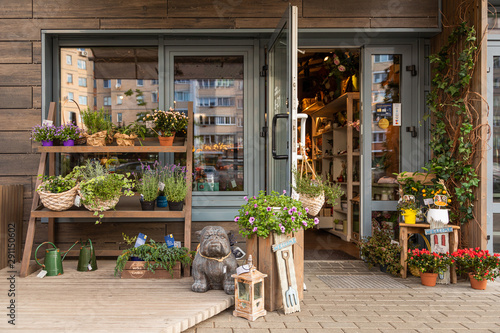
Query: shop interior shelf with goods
x,y
335,155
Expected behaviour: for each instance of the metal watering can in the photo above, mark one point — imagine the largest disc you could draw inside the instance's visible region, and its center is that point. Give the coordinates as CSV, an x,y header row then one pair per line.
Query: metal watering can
x,y
87,260
53,260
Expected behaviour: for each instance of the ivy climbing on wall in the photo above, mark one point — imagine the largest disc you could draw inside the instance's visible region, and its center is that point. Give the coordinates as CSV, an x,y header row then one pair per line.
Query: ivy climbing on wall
x,y
455,110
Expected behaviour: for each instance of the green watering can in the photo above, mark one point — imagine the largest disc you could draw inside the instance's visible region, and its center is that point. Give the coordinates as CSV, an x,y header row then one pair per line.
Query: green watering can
x,y
53,261
87,260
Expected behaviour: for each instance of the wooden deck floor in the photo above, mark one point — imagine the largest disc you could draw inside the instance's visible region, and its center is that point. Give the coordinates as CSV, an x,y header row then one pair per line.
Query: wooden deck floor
x,y
99,302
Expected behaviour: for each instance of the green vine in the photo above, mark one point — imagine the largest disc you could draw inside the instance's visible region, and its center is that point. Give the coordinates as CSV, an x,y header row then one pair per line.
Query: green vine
x,y
456,138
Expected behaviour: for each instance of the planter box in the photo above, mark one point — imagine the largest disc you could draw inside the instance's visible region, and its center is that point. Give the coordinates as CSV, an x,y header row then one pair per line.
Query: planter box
x,y
137,270
265,260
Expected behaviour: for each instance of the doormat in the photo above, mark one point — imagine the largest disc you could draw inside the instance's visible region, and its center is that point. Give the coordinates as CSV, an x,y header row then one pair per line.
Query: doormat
x,y
327,255
361,282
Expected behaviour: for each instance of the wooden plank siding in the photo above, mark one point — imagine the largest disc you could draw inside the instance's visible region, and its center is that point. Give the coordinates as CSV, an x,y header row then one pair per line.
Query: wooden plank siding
x,y
476,14
21,22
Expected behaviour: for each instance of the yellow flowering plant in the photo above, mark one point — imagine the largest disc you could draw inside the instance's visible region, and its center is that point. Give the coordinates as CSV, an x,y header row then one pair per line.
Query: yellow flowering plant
x,y
166,123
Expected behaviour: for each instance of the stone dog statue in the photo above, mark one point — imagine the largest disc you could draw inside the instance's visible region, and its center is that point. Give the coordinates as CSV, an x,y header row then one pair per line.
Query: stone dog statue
x,y
214,263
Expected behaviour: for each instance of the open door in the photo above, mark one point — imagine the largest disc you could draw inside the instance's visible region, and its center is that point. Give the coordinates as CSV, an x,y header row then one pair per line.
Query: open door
x,y
282,102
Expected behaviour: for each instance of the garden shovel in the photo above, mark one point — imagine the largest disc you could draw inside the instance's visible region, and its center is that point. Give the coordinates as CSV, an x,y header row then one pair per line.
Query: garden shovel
x,y
291,296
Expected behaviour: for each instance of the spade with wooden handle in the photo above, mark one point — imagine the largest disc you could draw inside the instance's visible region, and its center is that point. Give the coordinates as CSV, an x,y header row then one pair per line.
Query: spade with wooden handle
x,y
291,294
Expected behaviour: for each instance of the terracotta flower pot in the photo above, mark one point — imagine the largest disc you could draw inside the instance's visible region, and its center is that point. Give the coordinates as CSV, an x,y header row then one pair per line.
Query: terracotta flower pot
x,y
428,279
166,140
477,284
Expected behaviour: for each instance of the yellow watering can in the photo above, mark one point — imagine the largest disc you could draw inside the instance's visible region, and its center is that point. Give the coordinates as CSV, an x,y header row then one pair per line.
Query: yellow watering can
x,y
410,216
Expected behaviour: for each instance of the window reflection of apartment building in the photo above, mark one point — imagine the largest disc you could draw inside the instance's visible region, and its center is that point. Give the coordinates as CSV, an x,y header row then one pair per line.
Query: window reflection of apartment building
x,y
76,83
97,87
496,109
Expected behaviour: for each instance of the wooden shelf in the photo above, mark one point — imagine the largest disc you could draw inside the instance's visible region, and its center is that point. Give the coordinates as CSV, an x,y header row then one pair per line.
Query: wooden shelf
x,y
322,133
340,211
126,207
148,147
337,233
335,106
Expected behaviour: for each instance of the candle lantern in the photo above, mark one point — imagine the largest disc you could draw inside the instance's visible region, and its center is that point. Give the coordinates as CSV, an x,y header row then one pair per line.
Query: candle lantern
x,y
249,293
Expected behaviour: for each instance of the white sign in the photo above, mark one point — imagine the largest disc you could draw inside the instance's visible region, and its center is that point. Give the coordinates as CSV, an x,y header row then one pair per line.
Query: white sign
x,y
48,122
396,114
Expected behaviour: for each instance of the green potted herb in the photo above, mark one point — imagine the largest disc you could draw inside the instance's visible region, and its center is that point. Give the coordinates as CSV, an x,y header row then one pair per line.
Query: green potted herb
x,y
147,187
378,249
46,134
126,135
154,256
313,192
98,126
57,192
175,179
100,190
68,133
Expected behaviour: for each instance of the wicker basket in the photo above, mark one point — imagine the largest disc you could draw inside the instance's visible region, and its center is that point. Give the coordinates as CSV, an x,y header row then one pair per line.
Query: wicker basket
x,y
314,204
125,140
58,201
414,271
97,139
100,205
81,141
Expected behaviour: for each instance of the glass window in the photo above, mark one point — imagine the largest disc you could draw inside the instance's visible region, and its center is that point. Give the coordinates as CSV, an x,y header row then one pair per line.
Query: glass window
x,y
69,78
70,95
82,81
218,147
154,82
113,70
386,137
140,100
69,59
154,97
82,100
82,64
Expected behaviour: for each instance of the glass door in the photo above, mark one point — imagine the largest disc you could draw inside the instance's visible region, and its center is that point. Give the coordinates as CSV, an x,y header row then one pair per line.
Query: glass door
x,y
493,155
282,102
390,131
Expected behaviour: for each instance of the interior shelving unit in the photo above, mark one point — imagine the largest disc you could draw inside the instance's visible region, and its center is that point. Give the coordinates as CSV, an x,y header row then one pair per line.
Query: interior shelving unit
x,y
335,149
127,207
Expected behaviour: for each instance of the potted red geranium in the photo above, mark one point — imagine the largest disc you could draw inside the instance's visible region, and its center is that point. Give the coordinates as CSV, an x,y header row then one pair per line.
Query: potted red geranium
x,y
479,264
429,264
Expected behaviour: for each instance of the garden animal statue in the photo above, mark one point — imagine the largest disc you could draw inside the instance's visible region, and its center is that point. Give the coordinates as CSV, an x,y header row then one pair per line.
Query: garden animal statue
x,y
214,263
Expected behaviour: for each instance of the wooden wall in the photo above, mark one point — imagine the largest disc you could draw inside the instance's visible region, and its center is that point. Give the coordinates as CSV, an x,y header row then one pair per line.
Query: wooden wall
x,y
21,22
476,14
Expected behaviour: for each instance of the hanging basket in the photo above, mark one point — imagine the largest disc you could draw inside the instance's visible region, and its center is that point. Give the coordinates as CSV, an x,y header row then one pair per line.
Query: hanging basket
x,y
314,204
97,139
125,140
58,201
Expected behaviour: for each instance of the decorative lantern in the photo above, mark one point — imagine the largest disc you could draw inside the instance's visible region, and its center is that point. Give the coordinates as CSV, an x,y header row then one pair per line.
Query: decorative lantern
x,y
249,293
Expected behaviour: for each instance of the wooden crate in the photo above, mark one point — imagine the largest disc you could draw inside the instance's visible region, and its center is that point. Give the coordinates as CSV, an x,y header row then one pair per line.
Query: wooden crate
x,y
137,270
265,260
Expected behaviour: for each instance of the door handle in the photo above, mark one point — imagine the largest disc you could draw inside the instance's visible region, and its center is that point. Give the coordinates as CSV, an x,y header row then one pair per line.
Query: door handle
x,y
273,133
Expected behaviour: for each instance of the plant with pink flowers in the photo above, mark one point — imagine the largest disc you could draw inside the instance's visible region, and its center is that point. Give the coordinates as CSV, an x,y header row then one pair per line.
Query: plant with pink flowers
x,y
264,214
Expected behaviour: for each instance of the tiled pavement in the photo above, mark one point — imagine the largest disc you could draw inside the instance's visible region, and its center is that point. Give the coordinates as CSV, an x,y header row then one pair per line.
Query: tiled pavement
x,y
414,308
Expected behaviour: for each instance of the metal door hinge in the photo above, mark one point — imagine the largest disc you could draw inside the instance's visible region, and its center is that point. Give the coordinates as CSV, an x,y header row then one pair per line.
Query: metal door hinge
x,y
412,69
263,133
263,72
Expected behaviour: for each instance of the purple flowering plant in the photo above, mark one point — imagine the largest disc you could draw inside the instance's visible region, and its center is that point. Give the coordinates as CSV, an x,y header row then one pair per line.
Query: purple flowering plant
x,y
43,133
68,132
264,214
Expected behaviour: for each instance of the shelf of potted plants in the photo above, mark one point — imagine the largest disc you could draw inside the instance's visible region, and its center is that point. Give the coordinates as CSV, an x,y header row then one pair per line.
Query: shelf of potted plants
x,y
127,204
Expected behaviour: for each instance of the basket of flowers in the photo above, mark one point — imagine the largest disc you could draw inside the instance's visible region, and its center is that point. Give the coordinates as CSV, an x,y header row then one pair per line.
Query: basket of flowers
x,y
58,193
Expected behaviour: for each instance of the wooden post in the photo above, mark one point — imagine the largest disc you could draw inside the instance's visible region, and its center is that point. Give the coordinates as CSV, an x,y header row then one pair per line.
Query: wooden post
x,y
189,197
